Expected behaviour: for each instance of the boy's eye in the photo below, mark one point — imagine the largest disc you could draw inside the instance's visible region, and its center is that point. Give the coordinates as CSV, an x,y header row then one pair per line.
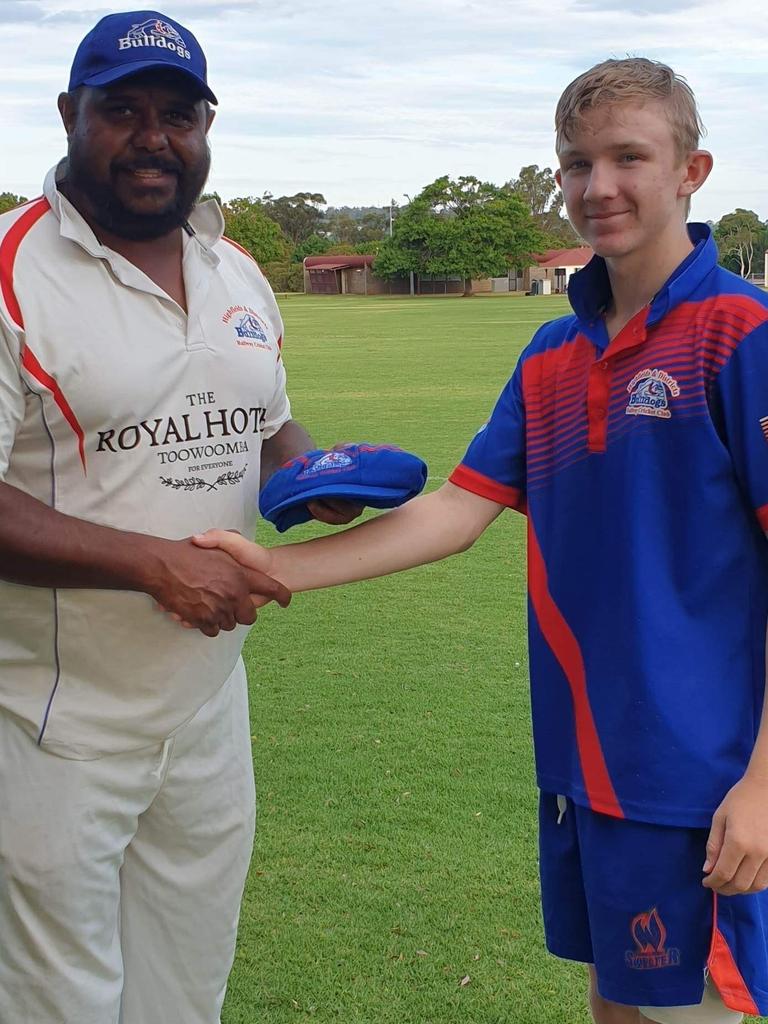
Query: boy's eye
x,y
629,158
576,165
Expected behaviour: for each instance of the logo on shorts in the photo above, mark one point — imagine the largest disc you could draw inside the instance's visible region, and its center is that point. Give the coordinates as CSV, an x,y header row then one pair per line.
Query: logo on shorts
x,y
650,937
154,32
649,394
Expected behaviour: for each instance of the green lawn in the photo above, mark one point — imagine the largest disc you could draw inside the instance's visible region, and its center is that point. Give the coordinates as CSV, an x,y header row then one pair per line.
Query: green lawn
x,y
396,850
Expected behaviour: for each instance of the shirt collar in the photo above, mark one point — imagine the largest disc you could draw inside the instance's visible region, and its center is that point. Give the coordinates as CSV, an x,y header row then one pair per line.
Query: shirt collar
x,y
589,290
206,220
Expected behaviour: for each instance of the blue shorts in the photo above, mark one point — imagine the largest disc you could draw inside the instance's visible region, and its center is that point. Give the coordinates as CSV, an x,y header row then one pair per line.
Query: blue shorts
x,y
627,897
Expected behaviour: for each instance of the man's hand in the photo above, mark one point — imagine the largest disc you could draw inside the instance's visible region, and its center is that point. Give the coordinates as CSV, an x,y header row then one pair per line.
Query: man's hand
x,y
737,848
334,511
210,590
247,553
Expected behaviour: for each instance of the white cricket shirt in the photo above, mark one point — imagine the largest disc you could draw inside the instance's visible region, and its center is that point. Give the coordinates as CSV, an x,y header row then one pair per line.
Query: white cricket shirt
x,y
118,407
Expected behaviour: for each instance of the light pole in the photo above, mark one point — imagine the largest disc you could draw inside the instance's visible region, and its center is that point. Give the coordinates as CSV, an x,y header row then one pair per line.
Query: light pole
x,y
413,290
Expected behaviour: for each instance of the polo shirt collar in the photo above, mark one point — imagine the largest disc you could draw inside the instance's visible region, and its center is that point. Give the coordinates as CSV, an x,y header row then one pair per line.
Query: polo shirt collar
x,y
206,221
589,290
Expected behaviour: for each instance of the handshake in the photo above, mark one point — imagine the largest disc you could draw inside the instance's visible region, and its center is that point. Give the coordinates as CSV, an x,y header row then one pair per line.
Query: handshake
x,y
218,580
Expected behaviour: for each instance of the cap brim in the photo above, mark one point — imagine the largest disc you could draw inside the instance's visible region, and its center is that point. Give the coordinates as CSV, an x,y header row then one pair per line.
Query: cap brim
x,y
375,497
135,67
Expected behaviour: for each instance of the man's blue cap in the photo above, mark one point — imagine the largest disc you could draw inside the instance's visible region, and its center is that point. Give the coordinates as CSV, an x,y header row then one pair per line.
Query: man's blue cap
x,y
378,475
125,44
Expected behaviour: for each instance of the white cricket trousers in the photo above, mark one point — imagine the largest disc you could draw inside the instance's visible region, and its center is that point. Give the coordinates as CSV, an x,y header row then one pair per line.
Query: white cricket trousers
x,y
121,878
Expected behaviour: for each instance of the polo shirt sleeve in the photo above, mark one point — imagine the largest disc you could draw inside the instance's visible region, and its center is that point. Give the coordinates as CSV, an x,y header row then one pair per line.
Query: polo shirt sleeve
x,y
279,408
11,393
494,463
741,392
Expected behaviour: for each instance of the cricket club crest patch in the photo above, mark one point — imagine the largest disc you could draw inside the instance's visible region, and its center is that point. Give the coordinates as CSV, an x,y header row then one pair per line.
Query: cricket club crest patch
x,y
331,462
650,392
248,326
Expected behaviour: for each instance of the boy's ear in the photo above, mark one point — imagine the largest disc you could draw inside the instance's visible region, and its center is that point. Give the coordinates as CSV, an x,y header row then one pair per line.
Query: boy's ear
x,y
698,164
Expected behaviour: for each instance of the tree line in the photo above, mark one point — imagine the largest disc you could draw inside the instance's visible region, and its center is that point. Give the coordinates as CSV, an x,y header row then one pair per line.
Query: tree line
x,y
454,227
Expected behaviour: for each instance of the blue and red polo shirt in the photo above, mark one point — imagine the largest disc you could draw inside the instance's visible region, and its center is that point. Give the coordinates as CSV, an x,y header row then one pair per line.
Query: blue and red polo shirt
x,y
642,464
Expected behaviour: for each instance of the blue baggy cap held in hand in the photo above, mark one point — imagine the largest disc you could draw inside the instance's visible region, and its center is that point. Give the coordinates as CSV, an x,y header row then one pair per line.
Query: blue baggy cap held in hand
x,y
381,476
125,44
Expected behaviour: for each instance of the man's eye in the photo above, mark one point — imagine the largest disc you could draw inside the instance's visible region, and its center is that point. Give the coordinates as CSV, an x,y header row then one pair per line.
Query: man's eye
x,y
629,158
181,117
120,111
576,165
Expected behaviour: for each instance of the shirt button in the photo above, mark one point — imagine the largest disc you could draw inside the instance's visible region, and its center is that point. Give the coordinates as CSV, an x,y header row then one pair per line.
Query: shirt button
x,y
604,364
600,413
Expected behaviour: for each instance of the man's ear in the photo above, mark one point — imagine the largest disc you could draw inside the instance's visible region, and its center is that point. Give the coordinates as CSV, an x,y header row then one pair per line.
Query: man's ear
x,y
67,104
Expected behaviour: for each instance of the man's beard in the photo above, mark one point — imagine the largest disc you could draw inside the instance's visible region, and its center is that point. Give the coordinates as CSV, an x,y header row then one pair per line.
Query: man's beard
x,y
109,211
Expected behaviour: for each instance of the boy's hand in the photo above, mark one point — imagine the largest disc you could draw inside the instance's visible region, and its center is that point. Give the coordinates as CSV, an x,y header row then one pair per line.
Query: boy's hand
x,y
246,552
737,848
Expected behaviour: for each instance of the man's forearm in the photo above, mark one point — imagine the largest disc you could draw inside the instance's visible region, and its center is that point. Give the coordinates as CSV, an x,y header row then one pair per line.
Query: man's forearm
x,y
290,440
44,548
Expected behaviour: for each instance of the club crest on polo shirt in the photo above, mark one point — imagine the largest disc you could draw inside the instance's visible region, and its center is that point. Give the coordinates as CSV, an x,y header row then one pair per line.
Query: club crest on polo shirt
x,y
248,326
331,462
154,32
650,392
650,937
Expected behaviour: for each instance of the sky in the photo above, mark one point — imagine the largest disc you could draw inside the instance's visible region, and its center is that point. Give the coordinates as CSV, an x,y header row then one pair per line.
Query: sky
x,y
369,101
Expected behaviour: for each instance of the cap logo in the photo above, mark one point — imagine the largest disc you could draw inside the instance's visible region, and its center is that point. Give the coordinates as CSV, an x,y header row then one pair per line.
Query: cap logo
x,y
331,462
159,34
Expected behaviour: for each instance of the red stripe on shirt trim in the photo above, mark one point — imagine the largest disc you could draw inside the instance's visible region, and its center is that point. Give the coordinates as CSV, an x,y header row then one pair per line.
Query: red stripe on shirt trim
x,y
470,480
565,647
8,250
239,248
34,369
762,516
725,973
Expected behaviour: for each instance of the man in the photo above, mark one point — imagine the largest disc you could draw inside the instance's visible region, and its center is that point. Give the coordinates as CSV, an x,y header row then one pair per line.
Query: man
x,y
633,433
141,392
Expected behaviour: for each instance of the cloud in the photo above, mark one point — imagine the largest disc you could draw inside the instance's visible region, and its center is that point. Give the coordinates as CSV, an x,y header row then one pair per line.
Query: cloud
x,y
16,11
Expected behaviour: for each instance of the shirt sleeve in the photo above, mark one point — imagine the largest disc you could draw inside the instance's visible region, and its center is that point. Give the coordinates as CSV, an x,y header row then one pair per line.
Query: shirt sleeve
x,y
12,401
741,413
494,463
279,407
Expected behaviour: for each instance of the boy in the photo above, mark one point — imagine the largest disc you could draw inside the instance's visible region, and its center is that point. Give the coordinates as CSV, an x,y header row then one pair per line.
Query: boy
x,y
633,435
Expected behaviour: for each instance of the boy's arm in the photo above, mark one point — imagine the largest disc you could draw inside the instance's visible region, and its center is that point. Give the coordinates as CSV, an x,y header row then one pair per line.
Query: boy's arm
x,y
737,848
425,529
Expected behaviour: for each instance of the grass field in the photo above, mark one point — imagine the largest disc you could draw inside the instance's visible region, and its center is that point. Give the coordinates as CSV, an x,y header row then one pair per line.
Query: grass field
x,y
394,876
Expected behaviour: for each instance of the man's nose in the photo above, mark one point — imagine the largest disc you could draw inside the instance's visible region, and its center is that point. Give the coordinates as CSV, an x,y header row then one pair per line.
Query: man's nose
x,y
150,134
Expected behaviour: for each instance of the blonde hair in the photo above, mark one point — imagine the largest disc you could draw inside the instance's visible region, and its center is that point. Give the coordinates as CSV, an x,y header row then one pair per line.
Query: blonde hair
x,y
631,80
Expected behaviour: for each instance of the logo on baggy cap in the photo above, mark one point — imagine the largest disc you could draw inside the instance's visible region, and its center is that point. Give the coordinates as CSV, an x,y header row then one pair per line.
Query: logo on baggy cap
x,y
379,475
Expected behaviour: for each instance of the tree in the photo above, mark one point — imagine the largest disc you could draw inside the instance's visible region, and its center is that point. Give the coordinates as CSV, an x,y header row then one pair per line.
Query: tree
x,y
315,245
541,194
249,226
742,239
467,227
9,201
299,216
